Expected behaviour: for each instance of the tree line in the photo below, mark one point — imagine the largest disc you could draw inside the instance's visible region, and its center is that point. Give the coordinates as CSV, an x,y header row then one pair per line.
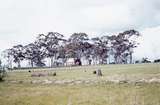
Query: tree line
x,y
118,48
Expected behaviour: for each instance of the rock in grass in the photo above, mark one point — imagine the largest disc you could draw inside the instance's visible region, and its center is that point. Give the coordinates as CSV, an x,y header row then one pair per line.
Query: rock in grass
x,y
99,72
35,75
39,75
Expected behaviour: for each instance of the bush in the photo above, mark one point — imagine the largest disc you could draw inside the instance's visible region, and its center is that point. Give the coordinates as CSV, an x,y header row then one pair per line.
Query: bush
x,y
94,72
54,74
137,61
2,75
157,61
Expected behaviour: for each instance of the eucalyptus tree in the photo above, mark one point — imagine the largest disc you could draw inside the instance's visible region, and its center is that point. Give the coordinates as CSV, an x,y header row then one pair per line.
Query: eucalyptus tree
x,y
17,54
7,55
132,35
34,54
77,42
62,53
88,52
49,44
101,49
2,72
77,45
122,45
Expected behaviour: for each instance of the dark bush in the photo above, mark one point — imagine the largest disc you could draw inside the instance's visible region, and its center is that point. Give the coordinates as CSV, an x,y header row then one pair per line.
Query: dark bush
x,y
78,62
112,63
145,60
94,72
157,60
2,75
137,61
54,74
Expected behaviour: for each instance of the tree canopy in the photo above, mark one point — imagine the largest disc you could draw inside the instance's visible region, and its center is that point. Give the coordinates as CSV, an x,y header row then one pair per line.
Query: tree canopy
x,y
96,50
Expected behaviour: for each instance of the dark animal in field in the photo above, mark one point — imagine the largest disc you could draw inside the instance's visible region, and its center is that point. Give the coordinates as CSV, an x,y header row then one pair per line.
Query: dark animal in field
x,y
29,71
94,72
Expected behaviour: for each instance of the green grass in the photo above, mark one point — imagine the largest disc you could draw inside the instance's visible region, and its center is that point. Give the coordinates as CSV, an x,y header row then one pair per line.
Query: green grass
x,y
101,93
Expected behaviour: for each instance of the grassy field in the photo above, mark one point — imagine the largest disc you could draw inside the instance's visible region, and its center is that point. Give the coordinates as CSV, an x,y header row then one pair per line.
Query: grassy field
x,y
18,88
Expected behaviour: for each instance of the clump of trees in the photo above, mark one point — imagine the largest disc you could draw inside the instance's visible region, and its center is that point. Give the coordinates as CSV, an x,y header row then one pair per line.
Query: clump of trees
x,y
145,60
54,46
156,60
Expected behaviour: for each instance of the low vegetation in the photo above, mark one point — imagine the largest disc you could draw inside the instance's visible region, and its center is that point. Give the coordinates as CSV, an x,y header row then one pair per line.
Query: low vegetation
x,y
77,86
2,72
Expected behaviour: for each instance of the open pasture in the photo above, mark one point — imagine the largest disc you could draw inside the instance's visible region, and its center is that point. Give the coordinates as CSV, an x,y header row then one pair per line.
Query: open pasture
x,y
119,85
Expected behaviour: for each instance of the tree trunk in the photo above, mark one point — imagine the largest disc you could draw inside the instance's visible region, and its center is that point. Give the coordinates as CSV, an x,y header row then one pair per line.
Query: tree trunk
x,y
130,58
19,65
9,61
31,63
116,60
10,64
51,61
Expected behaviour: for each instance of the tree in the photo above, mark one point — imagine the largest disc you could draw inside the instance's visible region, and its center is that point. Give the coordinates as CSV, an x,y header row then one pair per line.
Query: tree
x,y
119,47
62,53
7,55
145,60
123,44
76,45
131,35
17,54
101,48
50,43
33,53
156,60
88,52
29,51
2,72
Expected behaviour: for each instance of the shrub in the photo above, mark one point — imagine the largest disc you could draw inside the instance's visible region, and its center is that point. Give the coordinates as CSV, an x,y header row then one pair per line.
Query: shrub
x,y
94,72
157,61
2,74
54,74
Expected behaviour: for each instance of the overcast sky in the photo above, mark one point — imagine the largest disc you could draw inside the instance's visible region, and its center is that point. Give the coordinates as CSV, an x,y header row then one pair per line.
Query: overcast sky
x,y
22,20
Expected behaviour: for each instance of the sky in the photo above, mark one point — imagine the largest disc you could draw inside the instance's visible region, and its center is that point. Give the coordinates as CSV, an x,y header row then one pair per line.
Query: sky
x,y
22,20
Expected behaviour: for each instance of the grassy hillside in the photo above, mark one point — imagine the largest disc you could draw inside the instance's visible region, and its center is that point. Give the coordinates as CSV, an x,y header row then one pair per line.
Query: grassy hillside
x,y
18,88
